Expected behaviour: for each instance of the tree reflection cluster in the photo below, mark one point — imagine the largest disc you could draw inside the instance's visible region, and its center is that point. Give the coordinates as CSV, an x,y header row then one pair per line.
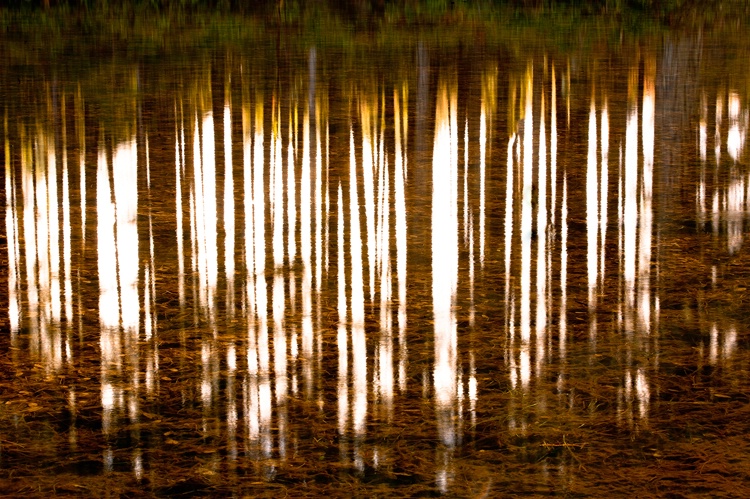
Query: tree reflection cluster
x,y
358,276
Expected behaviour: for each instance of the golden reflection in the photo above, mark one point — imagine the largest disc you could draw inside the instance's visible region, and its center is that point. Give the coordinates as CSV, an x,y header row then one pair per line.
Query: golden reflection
x,y
12,234
400,180
368,114
341,340
738,121
592,207
445,269
630,203
359,346
603,186
541,254
489,103
646,210
229,215
66,230
306,201
526,208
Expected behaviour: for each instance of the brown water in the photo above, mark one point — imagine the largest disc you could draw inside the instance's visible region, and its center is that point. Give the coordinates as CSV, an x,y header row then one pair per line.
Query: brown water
x,y
286,270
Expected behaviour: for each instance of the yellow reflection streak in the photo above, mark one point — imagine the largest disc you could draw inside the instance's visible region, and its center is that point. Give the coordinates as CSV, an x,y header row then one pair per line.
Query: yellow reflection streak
x,y
279,337
509,231
646,215
717,133
11,231
737,129
385,356
444,250
564,268
29,233
341,341
125,181
53,228
553,146
541,255
229,223
630,206
81,132
702,145
109,300
277,187
367,110
482,168
445,270
318,198
179,168
526,214
66,228
400,213
592,205
291,192
359,346
247,182
306,253
604,185
42,227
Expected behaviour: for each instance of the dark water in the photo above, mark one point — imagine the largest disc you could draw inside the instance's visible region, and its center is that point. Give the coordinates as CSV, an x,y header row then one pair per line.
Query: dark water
x,y
432,267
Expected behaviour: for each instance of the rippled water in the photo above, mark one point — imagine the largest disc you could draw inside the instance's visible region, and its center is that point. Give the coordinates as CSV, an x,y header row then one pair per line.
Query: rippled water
x,y
443,270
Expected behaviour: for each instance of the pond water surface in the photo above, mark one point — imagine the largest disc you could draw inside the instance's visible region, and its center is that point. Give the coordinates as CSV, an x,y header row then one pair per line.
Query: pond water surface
x,y
432,267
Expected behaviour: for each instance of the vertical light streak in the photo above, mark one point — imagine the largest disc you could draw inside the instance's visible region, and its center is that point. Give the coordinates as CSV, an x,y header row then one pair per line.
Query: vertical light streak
x,y
109,299
646,215
526,214
359,347
291,193
385,356
604,185
367,109
211,255
553,146
81,131
400,212
41,192
29,232
592,208
247,182
564,268
125,181
149,277
259,202
179,169
482,171
541,255
306,252
318,199
66,225
702,146
717,133
11,231
279,338
229,223
736,132
630,207
343,349
277,190
508,242
53,226
445,255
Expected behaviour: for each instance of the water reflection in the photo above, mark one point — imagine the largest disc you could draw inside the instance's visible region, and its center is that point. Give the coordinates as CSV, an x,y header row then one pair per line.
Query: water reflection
x,y
278,293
